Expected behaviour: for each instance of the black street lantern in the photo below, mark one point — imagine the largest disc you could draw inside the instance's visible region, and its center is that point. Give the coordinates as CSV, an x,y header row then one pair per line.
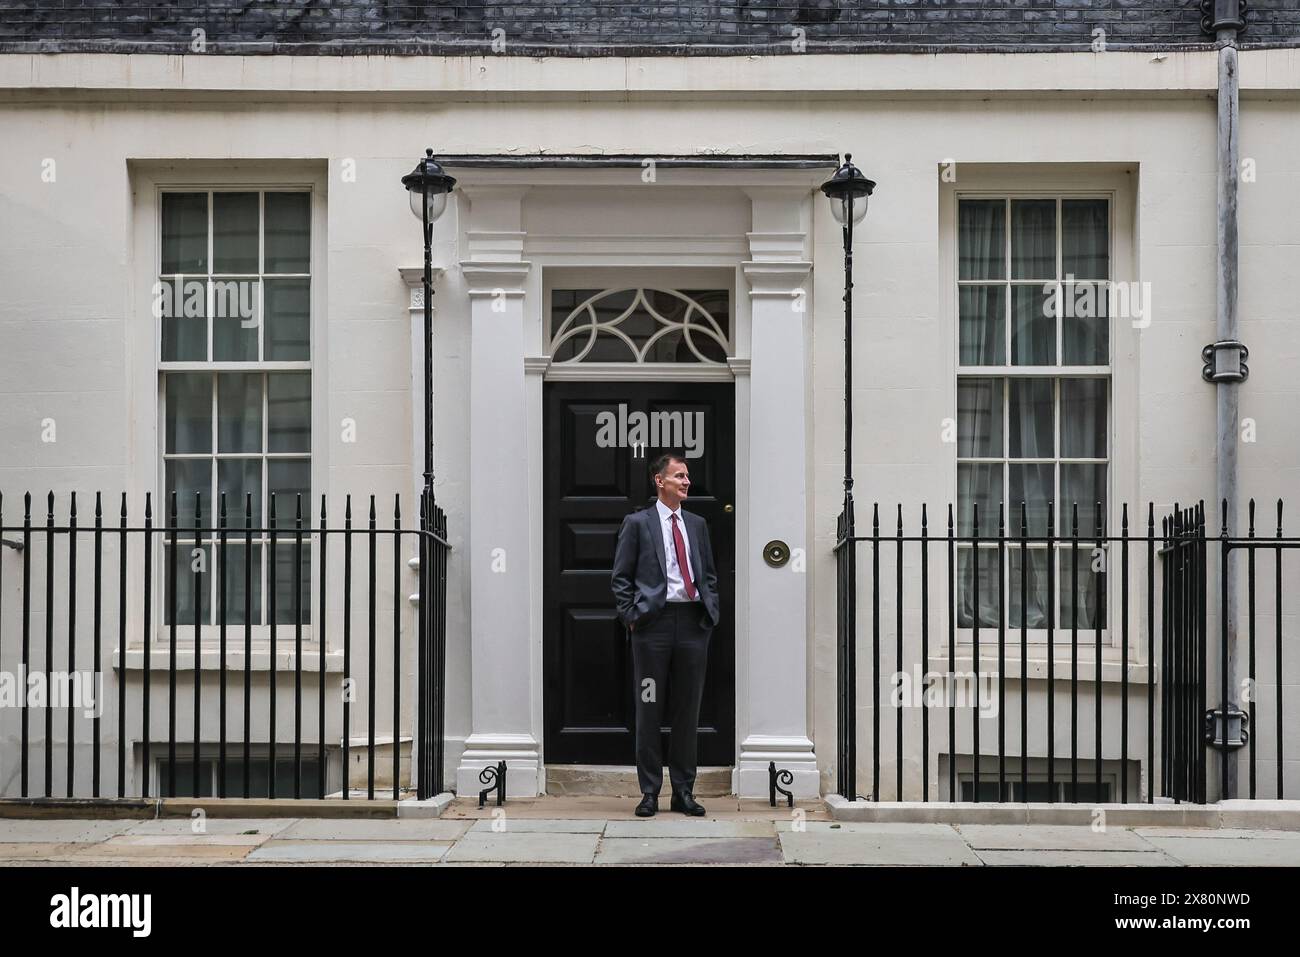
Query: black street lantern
x,y
847,191
428,185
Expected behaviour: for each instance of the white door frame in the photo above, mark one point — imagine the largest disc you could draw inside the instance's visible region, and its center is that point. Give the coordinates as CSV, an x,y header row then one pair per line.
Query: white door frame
x,y
767,258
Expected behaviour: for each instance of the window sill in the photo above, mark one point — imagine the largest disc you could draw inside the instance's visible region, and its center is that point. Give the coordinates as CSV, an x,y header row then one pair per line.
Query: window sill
x,y
1112,668
210,659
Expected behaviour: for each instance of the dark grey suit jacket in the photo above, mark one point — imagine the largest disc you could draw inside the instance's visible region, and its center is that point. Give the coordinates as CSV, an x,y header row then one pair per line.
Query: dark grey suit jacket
x,y
640,578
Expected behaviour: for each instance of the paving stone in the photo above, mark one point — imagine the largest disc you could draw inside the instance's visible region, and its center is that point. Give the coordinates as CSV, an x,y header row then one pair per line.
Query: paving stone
x,y
941,846
185,840
524,825
166,853
350,851
265,826
1059,858
1230,833
686,850
1051,837
866,827
52,831
34,851
395,829
551,848
1217,852
688,827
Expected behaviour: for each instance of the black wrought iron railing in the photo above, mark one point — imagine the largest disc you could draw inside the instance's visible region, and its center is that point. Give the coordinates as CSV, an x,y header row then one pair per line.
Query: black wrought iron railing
x,y
1100,637
272,645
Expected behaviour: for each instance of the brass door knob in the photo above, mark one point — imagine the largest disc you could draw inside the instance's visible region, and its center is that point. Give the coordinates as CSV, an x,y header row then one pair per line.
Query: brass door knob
x,y
728,509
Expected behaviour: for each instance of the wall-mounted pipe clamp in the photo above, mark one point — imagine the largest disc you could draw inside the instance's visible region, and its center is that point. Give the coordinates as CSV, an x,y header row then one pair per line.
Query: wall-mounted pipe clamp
x,y
1220,363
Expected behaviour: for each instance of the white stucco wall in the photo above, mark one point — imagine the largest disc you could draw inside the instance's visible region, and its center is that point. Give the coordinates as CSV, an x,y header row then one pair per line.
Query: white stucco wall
x,y
71,267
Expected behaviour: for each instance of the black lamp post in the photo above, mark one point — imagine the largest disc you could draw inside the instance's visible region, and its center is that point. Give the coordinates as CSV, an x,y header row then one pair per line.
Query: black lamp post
x,y
848,190
427,186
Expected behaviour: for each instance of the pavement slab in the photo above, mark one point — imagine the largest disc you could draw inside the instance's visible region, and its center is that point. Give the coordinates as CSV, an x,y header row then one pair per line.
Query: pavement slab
x,y
525,825
683,827
36,852
350,852
1063,858
59,831
179,854
1219,852
395,829
265,826
1050,837
540,847
687,850
877,844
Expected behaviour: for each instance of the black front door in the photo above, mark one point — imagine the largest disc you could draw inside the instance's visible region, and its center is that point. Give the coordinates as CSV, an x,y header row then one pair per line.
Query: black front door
x,y
600,439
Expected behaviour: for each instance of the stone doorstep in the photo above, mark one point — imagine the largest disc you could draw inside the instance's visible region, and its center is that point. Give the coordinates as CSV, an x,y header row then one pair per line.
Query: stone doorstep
x,y
609,780
1272,815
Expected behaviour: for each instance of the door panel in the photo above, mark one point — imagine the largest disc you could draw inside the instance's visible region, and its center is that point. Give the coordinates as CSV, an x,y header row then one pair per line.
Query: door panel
x,y
590,485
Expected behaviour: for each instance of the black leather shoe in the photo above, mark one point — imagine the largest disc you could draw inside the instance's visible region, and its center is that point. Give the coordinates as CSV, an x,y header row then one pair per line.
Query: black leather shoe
x,y
684,801
648,806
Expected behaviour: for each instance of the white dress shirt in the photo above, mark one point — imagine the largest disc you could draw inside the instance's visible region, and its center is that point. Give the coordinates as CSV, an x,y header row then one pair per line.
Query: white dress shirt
x,y
676,586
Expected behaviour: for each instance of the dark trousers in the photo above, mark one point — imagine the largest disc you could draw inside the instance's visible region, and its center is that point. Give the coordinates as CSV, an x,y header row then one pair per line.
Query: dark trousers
x,y
669,653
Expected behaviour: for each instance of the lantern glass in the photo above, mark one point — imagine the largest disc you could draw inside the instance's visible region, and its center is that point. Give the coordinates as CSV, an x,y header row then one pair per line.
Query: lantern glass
x,y
859,209
437,204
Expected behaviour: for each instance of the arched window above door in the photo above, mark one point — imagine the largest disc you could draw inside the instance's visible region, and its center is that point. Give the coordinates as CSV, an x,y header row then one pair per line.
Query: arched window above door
x,y
640,325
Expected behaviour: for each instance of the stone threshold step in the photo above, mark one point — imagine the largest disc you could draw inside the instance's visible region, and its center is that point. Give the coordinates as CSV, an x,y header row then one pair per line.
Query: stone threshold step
x,y
612,780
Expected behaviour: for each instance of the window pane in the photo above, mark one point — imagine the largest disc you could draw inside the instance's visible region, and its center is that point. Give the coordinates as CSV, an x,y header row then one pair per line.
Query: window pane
x,y
189,412
988,598
287,479
1033,327
1033,239
183,307
288,402
238,478
1032,611
288,232
1033,485
287,314
234,320
983,325
1081,590
237,565
1085,238
284,606
184,233
979,418
981,239
234,232
1086,486
239,412
185,477
1083,418
1085,326
978,483
187,558
1030,419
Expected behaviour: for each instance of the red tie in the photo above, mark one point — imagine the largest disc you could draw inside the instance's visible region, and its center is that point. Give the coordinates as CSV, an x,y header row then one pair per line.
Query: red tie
x,y
680,546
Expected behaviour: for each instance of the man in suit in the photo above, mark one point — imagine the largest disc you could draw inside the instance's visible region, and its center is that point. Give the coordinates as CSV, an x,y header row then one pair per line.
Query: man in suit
x,y
666,590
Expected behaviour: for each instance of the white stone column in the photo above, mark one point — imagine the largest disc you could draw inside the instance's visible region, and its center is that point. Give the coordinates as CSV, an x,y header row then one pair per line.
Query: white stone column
x,y
498,560
774,722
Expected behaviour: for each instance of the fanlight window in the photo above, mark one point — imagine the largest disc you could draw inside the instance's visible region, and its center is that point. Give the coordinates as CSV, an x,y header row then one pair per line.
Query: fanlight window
x,y
640,325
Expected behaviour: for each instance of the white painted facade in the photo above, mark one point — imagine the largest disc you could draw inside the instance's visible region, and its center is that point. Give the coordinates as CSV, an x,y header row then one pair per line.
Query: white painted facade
x,y
78,343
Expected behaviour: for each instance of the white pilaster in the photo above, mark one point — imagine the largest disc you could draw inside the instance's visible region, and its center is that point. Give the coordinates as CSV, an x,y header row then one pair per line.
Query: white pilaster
x,y
774,724
501,659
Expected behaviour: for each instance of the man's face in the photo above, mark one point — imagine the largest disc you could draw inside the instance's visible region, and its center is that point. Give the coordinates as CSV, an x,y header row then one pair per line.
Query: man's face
x,y
674,484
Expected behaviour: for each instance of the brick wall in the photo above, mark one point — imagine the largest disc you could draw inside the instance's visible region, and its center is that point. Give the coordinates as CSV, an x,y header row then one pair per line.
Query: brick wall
x,y
573,28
